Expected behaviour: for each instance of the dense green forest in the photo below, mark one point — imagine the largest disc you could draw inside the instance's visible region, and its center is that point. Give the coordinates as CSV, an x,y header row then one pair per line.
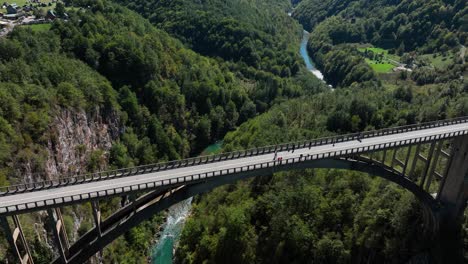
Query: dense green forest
x,y
332,216
258,34
169,101
319,216
407,28
427,26
178,75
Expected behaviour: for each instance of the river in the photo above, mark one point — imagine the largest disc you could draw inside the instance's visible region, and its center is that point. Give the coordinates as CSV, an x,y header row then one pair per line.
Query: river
x,y
305,56
163,251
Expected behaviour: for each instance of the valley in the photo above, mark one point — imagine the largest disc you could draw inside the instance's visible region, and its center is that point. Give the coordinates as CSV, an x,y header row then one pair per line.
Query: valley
x,y
124,83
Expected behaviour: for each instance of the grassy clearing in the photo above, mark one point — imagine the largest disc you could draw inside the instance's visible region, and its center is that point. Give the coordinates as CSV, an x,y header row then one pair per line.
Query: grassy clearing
x,y
376,50
39,27
26,2
438,60
379,59
18,2
380,67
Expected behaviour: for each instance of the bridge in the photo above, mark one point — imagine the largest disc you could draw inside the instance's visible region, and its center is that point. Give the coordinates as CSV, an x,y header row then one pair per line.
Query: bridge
x,y
430,160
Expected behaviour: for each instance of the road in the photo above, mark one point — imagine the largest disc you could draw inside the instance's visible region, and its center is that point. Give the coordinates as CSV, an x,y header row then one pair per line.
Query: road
x,y
5,31
80,189
462,53
12,24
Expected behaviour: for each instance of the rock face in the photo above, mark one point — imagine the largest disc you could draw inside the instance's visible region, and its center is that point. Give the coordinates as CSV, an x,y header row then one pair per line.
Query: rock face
x,y
75,136
73,139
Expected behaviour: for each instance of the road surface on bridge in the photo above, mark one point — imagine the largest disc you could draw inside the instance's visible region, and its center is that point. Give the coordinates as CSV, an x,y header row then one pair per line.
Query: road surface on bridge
x,y
21,199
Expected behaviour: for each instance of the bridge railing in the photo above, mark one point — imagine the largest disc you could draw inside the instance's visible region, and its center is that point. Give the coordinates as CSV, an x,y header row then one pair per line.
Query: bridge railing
x,y
197,177
138,170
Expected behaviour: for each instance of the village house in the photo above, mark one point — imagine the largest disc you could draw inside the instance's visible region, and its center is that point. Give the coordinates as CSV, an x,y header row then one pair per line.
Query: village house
x,y
12,9
51,15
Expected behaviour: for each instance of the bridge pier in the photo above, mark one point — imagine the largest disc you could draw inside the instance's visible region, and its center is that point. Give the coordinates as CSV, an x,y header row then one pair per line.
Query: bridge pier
x,y
97,216
453,196
60,234
17,241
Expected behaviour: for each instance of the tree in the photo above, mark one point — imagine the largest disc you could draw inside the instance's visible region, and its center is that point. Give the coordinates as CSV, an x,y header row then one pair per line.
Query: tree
x,y
158,136
339,121
68,95
203,132
247,111
232,115
119,156
60,9
404,94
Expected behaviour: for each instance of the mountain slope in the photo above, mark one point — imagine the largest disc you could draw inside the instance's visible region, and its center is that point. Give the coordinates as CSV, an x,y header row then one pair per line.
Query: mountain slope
x,y
107,67
256,33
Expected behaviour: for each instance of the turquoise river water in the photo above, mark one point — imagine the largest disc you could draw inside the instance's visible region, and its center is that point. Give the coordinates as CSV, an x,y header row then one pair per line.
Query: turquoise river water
x,y
163,251
305,56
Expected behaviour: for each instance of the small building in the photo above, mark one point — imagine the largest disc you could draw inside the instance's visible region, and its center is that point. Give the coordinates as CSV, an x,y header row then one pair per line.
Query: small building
x,y
51,15
28,8
11,16
12,9
402,68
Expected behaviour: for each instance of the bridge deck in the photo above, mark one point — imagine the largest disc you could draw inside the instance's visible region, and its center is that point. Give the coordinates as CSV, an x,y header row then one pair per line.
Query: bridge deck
x,y
55,197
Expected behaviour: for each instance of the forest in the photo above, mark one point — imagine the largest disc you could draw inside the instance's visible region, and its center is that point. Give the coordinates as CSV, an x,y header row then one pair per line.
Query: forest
x,y
402,27
176,76
333,216
319,216
105,60
255,33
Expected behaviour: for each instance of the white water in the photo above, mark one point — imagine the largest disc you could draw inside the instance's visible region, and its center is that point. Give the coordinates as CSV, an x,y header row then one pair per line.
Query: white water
x,y
164,250
305,55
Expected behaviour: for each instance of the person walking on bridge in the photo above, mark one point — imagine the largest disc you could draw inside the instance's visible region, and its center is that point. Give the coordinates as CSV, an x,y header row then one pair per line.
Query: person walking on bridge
x,y
359,137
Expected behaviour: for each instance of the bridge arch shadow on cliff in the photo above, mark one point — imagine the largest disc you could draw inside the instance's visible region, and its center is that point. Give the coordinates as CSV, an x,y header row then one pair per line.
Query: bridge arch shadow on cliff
x,y
159,200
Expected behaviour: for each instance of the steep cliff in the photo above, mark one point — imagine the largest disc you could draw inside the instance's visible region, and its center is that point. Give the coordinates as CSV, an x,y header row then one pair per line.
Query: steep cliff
x,y
78,139
76,142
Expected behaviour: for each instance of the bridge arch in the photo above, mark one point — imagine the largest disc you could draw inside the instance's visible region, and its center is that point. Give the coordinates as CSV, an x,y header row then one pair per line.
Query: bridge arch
x,y
149,204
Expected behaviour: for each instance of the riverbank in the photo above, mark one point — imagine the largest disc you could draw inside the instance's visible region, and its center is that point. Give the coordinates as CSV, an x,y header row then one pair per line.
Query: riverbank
x,y
169,233
163,250
305,56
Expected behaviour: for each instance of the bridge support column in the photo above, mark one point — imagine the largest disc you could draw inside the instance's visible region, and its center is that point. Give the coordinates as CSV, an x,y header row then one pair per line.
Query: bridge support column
x,y
97,216
60,234
453,196
97,224
17,241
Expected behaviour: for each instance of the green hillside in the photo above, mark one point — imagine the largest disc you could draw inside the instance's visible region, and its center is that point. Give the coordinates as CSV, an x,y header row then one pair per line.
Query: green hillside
x,y
165,79
406,29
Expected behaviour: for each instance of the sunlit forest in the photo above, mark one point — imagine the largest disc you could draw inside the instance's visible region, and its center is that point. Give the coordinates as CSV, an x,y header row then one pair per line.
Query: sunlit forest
x,y
170,77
